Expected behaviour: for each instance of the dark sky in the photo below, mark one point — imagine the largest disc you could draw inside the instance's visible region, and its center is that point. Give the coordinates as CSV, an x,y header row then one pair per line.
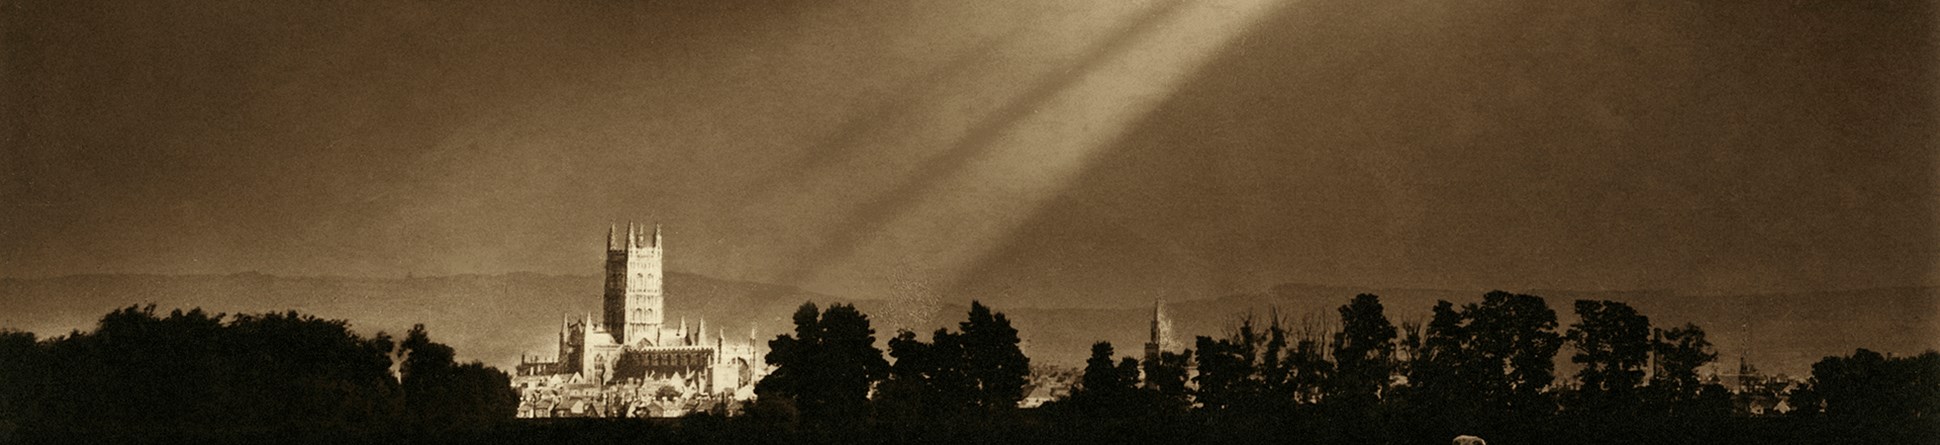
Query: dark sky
x,y
1041,153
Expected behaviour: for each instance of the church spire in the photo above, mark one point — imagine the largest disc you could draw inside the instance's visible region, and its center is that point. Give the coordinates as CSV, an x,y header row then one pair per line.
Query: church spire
x,y
1156,303
1153,347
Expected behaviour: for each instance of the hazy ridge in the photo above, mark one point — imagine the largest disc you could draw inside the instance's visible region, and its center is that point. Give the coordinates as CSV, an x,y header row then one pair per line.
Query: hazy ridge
x,y
496,317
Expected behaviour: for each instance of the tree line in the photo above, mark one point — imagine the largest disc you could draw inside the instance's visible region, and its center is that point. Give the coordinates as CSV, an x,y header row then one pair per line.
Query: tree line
x,y
1487,369
1484,368
191,376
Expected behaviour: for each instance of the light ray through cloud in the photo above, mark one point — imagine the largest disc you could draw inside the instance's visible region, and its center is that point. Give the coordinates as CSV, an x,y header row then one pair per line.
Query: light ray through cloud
x,y
1037,155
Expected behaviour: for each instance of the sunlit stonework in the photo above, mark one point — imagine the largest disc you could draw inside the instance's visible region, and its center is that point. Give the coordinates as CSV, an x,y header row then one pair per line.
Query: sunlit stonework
x,y
629,362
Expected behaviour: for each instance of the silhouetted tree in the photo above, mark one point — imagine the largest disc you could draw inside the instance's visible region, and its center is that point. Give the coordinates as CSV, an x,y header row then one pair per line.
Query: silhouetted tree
x,y
440,392
1107,389
992,359
1227,372
1436,371
1872,388
826,369
1514,338
1613,344
139,376
1253,370
1441,372
23,379
1675,386
1308,369
927,380
1168,375
981,369
1363,355
1102,376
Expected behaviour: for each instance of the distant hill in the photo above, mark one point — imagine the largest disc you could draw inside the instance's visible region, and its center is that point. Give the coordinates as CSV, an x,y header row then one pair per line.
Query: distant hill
x,y
496,317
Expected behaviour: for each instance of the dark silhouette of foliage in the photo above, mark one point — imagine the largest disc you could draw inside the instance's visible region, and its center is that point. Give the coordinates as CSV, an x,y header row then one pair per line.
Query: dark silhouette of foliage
x,y
980,370
1168,375
1870,387
1225,371
439,391
1613,344
993,361
1439,392
143,377
1255,370
196,377
1439,371
1306,370
1513,338
1102,377
1483,367
1363,355
927,380
23,379
1675,388
1108,391
826,368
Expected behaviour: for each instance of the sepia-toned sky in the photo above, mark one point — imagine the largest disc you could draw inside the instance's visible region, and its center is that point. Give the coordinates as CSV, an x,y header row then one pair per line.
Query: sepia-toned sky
x,y
1025,153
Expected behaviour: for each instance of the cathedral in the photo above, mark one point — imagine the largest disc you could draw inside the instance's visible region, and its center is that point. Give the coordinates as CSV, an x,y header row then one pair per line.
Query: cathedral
x,y
629,362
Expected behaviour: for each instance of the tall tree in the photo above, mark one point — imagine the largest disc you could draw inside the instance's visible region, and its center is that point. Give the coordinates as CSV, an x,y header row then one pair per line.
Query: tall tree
x,y
1441,370
992,359
827,367
1102,376
1309,370
1613,345
1107,388
1168,375
1436,374
795,358
1363,354
1513,338
23,376
1228,373
1680,352
1269,370
927,380
440,392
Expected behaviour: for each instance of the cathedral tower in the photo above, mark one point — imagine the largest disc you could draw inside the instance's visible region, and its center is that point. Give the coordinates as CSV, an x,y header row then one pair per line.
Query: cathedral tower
x,y
633,304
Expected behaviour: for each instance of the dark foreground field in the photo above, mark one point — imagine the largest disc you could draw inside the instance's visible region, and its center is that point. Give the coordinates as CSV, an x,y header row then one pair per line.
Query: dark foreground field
x,y
1039,427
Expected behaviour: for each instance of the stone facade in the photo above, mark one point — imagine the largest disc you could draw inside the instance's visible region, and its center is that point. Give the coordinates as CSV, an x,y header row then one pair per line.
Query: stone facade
x,y
629,362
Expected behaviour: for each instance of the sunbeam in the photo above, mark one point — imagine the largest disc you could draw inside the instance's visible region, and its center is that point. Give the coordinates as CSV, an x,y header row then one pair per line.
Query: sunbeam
x,y
1000,180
